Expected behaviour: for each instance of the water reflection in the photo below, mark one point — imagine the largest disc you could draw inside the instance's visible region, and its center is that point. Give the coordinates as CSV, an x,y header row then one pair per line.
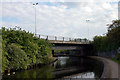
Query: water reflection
x,y
82,75
76,65
62,62
65,67
42,72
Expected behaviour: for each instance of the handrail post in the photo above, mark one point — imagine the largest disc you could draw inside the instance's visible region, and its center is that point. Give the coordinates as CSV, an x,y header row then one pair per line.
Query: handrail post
x,y
39,36
69,39
80,40
75,40
55,38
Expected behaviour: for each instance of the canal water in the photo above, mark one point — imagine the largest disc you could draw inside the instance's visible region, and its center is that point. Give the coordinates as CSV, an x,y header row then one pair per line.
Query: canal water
x,y
64,67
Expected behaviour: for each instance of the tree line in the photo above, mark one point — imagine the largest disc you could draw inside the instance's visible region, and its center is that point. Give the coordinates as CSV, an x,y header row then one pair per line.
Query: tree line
x,y
110,41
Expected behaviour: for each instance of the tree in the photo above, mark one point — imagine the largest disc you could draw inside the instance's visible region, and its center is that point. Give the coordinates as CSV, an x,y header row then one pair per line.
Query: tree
x,y
109,42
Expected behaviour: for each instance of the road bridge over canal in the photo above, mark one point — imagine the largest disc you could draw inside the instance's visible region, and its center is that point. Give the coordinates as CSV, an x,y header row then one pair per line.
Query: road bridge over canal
x,y
76,47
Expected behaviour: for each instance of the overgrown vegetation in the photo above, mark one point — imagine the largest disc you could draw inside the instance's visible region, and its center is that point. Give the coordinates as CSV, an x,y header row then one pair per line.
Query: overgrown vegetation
x,y
109,42
117,58
21,48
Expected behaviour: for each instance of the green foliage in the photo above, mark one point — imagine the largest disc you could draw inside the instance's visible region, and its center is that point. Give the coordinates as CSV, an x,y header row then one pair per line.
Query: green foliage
x,y
101,44
0,53
117,58
4,59
21,48
16,56
109,42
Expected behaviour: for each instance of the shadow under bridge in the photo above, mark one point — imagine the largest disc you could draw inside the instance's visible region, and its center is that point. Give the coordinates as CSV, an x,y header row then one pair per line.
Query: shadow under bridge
x,y
72,48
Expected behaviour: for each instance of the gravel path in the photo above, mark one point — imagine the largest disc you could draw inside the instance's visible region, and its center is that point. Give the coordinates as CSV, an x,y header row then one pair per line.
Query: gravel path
x,y
111,68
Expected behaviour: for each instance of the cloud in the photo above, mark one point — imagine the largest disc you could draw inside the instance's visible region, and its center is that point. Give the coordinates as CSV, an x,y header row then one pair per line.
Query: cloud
x,y
61,18
58,0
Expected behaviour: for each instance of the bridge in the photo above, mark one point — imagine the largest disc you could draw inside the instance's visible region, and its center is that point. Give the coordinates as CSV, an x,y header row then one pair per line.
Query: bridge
x,y
75,46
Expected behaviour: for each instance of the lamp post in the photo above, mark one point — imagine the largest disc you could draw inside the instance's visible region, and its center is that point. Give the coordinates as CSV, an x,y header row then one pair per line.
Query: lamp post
x,y
35,16
88,27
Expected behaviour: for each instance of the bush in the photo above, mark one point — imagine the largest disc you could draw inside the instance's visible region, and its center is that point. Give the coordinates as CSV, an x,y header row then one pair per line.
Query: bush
x,y
117,58
17,57
21,48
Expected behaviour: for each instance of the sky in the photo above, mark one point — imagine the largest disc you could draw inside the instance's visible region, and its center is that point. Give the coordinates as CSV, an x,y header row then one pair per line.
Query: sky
x,y
67,18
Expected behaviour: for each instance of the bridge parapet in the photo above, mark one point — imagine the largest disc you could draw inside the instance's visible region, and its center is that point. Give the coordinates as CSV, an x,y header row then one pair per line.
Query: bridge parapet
x,y
67,42
63,40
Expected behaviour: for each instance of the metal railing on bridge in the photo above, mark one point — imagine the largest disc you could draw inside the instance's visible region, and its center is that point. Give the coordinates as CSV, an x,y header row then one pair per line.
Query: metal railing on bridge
x,y
60,38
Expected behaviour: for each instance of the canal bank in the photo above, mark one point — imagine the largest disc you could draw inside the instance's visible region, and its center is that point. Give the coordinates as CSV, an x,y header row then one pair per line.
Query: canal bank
x,y
29,66
64,67
111,68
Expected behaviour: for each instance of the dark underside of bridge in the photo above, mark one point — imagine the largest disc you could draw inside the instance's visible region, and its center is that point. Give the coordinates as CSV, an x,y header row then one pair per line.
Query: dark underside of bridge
x,y
73,49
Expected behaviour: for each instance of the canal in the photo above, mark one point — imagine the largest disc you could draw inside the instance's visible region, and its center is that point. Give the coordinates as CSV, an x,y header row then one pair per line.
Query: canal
x,y
64,67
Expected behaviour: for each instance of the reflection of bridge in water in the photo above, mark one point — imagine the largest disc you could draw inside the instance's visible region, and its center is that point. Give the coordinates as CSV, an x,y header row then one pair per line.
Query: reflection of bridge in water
x,y
74,67
76,46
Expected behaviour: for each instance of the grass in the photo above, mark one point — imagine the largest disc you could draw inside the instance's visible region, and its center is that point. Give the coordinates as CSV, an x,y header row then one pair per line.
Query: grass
x,y
117,58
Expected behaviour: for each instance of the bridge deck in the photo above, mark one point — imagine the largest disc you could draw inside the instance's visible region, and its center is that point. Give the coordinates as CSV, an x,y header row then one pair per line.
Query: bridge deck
x,y
67,42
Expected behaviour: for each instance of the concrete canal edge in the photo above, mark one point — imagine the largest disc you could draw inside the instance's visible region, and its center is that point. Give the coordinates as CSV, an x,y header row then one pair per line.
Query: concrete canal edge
x,y
111,68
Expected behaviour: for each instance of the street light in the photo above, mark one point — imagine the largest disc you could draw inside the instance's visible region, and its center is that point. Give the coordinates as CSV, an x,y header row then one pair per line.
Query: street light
x,y
88,28
35,16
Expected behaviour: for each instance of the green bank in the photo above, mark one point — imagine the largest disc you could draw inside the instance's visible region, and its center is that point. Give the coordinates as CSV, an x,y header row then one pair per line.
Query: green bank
x,y
21,48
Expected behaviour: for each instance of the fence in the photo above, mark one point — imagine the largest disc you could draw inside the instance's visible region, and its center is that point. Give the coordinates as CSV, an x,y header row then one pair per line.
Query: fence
x,y
60,38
